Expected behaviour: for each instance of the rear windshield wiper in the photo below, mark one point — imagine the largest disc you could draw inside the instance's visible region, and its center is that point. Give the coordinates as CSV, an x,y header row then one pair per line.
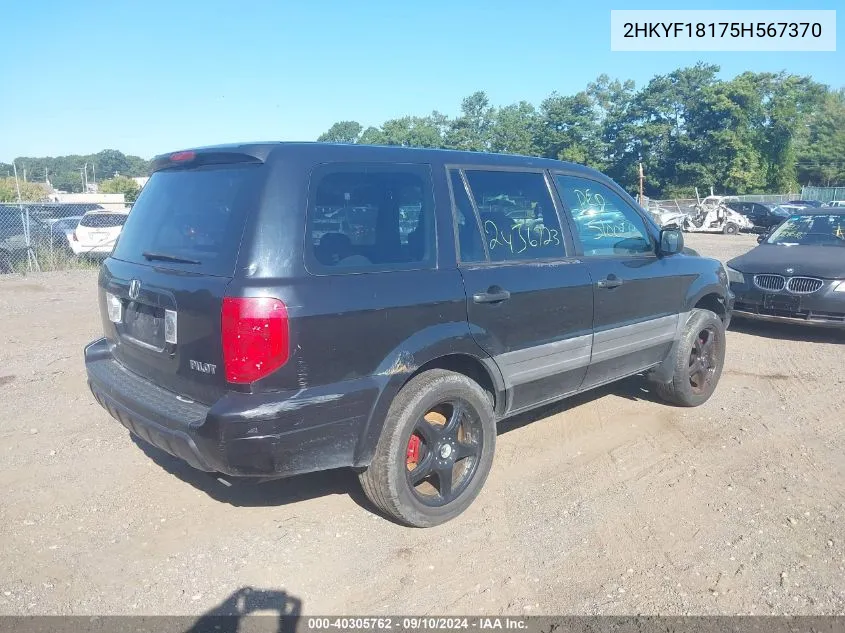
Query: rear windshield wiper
x,y
164,257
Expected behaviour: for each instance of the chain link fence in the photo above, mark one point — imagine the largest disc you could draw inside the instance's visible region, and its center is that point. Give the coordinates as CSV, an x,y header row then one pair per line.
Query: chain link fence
x,y
38,236
823,194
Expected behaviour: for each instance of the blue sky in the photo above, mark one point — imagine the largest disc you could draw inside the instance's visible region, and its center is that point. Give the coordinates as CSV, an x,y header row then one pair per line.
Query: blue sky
x,y
153,76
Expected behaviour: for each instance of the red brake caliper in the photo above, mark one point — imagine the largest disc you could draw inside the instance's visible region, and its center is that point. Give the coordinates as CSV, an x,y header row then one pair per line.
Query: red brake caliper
x,y
413,453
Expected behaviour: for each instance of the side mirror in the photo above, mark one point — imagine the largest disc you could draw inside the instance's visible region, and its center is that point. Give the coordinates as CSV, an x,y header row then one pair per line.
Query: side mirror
x,y
671,241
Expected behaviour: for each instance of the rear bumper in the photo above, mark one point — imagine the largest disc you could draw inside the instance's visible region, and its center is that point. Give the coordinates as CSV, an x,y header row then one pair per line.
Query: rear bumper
x,y
243,435
87,249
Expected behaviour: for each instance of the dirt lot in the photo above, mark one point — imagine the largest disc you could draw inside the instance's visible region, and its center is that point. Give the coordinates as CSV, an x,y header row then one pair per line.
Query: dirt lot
x,y
610,503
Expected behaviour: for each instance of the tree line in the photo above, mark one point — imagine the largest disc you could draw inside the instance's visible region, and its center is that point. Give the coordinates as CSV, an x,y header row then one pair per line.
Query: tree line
x,y
65,173
755,133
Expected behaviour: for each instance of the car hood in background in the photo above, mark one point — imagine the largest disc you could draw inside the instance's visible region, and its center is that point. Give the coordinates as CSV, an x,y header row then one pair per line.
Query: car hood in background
x,y
827,262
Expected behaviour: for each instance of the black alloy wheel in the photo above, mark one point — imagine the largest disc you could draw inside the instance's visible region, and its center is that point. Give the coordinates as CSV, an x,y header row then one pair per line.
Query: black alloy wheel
x,y
442,453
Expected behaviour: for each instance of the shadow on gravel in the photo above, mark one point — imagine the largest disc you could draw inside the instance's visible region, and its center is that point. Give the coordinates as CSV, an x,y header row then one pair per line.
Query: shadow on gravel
x,y
785,331
273,608
247,492
634,388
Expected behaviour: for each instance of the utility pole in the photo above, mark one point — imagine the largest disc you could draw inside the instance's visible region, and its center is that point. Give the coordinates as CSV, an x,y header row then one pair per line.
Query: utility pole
x,y
642,177
94,173
17,184
82,178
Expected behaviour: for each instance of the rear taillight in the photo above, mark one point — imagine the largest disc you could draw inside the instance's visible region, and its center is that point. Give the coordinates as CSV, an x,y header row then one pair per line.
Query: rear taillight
x,y
115,308
255,337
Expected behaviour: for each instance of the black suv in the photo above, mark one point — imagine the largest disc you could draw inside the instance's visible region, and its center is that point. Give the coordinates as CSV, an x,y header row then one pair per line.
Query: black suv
x,y
764,217
275,309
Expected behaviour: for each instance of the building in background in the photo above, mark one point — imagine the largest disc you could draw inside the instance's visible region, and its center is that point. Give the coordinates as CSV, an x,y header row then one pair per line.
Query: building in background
x,y
110,201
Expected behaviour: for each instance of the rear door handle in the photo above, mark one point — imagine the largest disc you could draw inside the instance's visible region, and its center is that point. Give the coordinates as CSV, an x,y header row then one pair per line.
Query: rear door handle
x,y
612,281
493,295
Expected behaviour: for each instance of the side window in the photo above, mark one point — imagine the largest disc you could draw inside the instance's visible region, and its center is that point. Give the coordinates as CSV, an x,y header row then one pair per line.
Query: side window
x,y
605,223
371,219
517,215
470,242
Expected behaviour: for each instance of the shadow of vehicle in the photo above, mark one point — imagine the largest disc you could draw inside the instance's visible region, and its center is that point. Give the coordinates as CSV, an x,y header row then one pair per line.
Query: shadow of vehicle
x,y
634,388
248,492
251,492
789,332
255,604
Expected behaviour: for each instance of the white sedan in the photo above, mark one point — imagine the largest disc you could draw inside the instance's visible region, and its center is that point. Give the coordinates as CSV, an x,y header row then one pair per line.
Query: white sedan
x,y
97,232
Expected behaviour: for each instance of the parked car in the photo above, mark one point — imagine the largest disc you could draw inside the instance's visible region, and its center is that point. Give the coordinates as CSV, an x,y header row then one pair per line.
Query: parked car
x,y
97,232
805,203
836,204
243,338
797,273
58,234
669,218
763,217
13,242
718,218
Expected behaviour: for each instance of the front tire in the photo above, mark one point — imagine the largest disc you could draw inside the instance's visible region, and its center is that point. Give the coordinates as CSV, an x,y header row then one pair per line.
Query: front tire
x,y
698,362
435,450
731,229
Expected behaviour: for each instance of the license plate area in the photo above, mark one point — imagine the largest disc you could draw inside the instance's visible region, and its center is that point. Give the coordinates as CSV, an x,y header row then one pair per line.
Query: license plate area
x,y
144,325
782,303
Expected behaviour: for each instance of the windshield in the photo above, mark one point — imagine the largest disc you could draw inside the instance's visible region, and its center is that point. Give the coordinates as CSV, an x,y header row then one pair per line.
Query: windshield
x,y
811,229
778,210
193,215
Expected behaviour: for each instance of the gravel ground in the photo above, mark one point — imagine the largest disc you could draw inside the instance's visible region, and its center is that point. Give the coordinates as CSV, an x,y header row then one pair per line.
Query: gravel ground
x,y
609,503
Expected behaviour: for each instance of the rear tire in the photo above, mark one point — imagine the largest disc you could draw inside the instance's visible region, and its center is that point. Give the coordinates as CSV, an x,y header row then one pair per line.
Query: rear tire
x,y
730,229
699,359
440,422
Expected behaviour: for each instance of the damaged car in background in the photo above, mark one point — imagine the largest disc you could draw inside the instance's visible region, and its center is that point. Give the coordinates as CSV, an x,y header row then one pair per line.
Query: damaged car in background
x,y
713,215
797,272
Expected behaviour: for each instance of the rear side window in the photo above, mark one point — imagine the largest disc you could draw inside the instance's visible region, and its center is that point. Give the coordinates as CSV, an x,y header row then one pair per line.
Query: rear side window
x,y
103,220
517,215
470,241
197,215
370,218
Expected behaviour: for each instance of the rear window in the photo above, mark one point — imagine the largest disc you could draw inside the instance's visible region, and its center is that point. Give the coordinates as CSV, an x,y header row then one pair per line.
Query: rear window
x,y
103,220
196,215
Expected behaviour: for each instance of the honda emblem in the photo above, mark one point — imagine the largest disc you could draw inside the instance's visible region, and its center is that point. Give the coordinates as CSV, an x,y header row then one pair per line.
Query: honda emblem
x,y
134,289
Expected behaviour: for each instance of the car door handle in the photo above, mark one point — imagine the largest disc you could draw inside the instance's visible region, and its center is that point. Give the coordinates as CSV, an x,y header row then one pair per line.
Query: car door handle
x,y
612,281
493,295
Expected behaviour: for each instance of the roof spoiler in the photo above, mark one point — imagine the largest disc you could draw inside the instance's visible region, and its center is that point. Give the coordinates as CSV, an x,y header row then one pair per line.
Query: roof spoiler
x,y
188,159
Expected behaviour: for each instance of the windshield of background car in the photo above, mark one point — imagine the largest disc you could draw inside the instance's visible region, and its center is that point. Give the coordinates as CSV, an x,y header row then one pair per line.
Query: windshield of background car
x,y
193,214
811,229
